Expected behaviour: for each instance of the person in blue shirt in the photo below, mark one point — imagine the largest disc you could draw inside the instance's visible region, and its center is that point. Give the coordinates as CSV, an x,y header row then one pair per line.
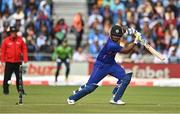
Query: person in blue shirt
x,y
106,65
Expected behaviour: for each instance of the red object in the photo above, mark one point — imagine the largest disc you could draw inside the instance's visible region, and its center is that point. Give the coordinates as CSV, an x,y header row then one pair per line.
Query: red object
x,y
12,49
59,27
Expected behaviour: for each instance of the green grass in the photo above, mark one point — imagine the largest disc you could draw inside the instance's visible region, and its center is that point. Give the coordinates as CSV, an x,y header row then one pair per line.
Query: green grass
x,y
48,99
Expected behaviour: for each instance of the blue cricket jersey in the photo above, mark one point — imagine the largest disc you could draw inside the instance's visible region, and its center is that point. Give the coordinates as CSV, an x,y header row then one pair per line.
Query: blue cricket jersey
x,y
108,52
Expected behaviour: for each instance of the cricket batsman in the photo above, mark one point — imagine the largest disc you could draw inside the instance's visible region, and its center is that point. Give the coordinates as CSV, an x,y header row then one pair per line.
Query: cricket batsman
x,y
106,65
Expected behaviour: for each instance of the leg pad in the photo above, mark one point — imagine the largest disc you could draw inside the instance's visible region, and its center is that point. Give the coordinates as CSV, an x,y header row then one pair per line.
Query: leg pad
x,y
83,92
120,88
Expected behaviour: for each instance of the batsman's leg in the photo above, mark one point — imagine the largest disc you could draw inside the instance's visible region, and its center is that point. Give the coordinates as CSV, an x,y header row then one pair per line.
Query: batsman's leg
x,y
97,75
122,87
83,92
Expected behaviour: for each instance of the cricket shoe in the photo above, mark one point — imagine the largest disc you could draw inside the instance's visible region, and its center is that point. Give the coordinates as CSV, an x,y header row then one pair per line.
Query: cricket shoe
x,y
119,102
70,102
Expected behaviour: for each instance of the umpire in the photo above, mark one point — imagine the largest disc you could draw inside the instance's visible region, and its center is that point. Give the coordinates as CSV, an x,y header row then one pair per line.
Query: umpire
x,y
13,48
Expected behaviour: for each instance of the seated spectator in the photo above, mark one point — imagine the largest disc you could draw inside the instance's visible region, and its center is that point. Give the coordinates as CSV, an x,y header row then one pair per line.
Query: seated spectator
x,y
107,14
45,8
95,16
32,48
41,39
159,8
96,41
31,14
45,49
5,31
169,17
19,14
174,35
79,56
107,27
7,15
60,29
43,22
118,9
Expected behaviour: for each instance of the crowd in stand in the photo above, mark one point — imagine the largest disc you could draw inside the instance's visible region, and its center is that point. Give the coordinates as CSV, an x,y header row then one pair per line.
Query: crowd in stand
x,y
33,19
157,20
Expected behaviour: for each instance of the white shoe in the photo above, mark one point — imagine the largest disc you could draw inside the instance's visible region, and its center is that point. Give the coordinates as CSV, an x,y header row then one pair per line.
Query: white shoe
x,y
119,102
70,102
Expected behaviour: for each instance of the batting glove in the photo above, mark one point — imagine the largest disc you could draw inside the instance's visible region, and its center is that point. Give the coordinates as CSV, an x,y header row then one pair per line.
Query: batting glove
x,y
138,37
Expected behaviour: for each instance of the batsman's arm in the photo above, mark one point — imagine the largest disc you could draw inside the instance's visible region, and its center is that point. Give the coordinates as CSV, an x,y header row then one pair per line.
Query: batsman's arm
x,y
128,48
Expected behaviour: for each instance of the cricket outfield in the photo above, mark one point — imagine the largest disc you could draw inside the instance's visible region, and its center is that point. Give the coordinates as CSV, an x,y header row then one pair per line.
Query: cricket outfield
x,y
52,99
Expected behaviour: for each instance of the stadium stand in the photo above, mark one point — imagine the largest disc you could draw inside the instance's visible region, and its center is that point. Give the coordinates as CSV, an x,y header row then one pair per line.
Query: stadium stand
x,y
39,21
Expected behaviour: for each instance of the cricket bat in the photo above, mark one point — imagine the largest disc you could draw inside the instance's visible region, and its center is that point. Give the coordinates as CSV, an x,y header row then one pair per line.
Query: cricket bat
x,y
150,48
154,52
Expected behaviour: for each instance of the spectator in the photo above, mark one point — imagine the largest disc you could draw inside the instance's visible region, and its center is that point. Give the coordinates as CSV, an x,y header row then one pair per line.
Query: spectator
x,y
6,15
19,15
61,29
118,9
96,41
107,14
159,8
77,28
169,17
31,47
157,20
79,56
107,27
95,16
46,49
41,39
31,14
45,8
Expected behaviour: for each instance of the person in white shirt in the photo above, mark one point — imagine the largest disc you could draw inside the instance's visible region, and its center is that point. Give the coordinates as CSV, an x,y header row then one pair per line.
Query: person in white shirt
x,y
79,56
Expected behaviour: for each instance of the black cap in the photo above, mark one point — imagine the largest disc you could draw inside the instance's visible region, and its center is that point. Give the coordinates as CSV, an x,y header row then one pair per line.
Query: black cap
x,y
117,31
13,29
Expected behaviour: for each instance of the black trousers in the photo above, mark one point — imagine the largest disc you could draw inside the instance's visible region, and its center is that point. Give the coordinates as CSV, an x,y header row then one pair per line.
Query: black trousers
x,y
9,69
78,39
67,65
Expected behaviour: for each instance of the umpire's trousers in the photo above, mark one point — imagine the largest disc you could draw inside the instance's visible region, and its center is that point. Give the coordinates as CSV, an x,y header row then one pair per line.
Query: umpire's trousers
x,y
9,69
